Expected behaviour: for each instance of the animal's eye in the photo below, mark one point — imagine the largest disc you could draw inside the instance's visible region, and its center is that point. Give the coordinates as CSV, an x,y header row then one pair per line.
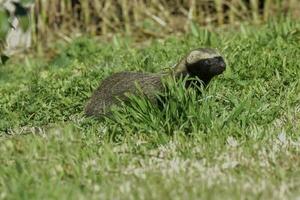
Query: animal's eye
x,y
207,62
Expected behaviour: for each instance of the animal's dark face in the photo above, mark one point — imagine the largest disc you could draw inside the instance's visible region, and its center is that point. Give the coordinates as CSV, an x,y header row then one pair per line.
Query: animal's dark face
x,y
205,64
212,66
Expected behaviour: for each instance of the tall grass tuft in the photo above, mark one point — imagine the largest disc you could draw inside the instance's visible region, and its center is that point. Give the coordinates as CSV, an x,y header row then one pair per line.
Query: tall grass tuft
x,y
179,110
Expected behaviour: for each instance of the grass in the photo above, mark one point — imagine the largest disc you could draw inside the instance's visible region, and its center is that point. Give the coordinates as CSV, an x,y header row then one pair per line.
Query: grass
x,y
238,140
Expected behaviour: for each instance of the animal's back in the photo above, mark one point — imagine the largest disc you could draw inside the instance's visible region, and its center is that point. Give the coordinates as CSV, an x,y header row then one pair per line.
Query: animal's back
x,y
115,87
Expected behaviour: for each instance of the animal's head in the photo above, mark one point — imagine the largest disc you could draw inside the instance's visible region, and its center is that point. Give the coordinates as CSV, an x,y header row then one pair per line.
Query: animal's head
x,y
204,63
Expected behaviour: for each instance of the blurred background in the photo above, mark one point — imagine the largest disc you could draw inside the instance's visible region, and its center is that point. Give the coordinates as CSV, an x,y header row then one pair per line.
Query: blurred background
x,y
37,23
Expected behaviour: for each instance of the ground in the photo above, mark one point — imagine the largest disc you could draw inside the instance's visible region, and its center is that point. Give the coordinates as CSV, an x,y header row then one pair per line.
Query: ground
x,y
239,139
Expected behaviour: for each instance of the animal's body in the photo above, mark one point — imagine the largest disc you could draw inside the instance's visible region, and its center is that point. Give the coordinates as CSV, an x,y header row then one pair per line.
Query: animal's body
x,y
116,87
202,63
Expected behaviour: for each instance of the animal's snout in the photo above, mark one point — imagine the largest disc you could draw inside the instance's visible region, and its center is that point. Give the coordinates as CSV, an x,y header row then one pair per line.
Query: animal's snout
x,y
222,65
218,66
219,61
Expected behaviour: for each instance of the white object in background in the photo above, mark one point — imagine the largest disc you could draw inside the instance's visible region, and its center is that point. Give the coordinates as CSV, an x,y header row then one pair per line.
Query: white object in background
x,y
16,40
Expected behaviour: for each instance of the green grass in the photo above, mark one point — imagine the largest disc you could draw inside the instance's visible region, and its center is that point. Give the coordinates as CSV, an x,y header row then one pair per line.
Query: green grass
x,y
238,140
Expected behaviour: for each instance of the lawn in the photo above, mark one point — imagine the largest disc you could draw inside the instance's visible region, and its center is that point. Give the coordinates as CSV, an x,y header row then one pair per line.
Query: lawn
x,y
239,139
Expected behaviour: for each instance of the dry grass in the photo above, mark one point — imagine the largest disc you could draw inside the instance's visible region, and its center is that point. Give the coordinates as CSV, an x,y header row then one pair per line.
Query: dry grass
x,y
149,17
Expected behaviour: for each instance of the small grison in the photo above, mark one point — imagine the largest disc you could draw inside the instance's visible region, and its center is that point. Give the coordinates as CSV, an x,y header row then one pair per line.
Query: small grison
x,y
202,63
